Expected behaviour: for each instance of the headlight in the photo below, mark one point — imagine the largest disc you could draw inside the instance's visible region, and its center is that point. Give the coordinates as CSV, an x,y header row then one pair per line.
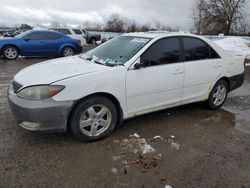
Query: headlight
x,y
39,92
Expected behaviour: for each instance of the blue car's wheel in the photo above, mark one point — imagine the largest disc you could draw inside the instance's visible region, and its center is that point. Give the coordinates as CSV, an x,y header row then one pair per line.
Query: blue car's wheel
x,y
10,52
68,51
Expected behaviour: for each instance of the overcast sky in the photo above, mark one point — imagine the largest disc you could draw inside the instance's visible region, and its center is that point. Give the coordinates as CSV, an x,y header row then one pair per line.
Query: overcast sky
x,y
175,13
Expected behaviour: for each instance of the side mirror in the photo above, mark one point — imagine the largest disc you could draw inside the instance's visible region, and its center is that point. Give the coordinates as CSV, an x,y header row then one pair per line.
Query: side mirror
x,y
139,65
27,39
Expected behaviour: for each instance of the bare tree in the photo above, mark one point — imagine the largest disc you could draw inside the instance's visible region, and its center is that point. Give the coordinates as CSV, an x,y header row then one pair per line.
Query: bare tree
x,y
55,24
145,28
115,23
217,16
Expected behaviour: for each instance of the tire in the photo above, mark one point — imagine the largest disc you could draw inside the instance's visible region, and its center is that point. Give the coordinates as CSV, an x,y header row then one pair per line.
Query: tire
x,y
68,51
218,95
98,117
93,41
10,52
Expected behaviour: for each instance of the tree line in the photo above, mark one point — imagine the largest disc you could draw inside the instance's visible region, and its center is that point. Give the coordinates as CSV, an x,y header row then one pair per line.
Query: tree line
x,y
210,17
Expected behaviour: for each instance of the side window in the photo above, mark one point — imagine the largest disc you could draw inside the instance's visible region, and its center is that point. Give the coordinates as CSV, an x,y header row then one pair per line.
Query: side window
x,y
77,31
53,36
164,51
214,54
65,31
36,36
44,36
195,49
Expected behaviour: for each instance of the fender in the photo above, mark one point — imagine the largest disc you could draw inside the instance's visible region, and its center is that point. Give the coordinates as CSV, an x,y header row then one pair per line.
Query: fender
x,y
67,45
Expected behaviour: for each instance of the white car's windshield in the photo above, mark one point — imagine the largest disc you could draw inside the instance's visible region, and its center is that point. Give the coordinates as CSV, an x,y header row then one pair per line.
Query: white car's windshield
x,y
117,51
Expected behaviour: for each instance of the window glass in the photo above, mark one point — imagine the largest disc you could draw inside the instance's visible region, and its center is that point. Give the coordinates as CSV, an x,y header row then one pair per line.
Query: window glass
x,y
117,51
53,36
77,31
195,49
44,36
61,30
164,51
37,36
213,54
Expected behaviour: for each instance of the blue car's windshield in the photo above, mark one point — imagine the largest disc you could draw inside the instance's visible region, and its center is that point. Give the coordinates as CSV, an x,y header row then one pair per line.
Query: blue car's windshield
x,y
21,35
117,51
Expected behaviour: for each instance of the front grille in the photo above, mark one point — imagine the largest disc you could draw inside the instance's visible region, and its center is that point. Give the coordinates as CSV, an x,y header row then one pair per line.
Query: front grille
x,y
16,86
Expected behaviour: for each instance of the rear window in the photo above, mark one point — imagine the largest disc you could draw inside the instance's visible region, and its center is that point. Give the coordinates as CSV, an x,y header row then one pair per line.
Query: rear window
x,y
77,31
195,49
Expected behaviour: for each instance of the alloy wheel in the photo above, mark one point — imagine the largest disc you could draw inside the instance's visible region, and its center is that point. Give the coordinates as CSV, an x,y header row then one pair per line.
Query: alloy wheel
x,y
10,53
95,120
68,52
219,94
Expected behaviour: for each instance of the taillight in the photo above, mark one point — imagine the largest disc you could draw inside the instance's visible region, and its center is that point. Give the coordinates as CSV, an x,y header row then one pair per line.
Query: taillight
x,y
247,61
79,42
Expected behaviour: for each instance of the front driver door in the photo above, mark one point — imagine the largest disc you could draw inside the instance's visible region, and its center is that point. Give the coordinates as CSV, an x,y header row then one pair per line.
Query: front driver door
x,y
33,44
160,83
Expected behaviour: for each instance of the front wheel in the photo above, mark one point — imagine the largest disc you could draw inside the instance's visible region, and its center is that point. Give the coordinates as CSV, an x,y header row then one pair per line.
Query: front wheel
x,y
218,95
93,119
10,52
68,51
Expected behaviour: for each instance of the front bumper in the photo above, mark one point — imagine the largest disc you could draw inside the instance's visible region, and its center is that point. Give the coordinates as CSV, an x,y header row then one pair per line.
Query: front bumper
x,y
46,115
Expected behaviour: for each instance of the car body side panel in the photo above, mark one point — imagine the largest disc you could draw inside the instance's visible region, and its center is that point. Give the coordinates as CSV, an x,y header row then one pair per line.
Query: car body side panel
x,y
111,81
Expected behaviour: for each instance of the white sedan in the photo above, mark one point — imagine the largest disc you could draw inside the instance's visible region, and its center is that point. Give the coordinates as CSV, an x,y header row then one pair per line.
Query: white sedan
x,y
130,75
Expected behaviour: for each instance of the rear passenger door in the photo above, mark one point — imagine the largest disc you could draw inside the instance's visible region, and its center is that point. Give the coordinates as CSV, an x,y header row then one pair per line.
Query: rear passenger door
x,y
53,42
202,68
159,84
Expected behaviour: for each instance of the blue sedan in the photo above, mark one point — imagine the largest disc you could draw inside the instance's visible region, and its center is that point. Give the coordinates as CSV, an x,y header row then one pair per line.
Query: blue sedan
x,y
39,43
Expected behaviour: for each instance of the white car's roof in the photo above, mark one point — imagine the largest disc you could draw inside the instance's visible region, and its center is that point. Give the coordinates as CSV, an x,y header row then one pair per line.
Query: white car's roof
x,y
156,34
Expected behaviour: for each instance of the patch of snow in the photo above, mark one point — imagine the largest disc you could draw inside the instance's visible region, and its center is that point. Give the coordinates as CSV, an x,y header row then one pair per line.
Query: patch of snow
x,y
236,45
175,145
137,145
172,136
157,137
168,186
135,135
146,148
114,170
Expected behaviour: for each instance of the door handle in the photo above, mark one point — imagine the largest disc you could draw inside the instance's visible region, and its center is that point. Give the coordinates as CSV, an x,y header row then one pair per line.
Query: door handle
x,y
178,72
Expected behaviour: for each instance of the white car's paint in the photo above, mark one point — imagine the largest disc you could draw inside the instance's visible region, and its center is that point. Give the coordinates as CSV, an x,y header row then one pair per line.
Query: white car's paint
x,y
72,34
165,87
138,91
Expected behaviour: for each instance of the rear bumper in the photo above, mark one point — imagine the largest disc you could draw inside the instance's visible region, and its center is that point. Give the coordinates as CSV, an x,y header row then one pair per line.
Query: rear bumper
x,y
236,81
47,115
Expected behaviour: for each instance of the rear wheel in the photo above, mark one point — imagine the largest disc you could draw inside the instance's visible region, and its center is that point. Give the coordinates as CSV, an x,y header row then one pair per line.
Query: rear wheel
x,y
68,51
10,52
218,95
93,41
93,119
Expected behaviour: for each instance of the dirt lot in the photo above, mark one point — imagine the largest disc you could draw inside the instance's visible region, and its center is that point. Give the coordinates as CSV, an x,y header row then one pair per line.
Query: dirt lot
x,y
187,146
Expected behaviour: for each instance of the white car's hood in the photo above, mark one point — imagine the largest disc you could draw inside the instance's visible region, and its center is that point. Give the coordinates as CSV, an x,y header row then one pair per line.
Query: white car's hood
x,y
55,70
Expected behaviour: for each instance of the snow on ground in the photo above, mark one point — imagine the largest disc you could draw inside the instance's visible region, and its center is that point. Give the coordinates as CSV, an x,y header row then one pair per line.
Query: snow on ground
x,y
235,44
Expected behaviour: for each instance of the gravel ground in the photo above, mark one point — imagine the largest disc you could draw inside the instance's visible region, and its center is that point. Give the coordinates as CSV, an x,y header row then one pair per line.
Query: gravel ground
x,y
188,146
